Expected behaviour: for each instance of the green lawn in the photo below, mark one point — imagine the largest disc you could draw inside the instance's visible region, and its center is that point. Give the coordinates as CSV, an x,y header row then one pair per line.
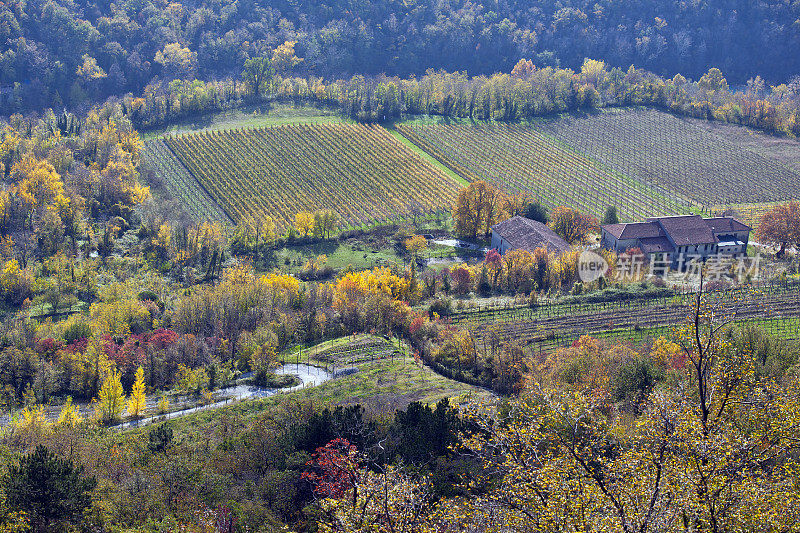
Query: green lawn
x,y
340,255
250,117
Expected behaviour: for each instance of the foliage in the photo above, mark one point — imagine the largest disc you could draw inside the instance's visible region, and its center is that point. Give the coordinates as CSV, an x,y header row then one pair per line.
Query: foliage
x,y
110,398
51,491
138,399
477,208
780,226
571,225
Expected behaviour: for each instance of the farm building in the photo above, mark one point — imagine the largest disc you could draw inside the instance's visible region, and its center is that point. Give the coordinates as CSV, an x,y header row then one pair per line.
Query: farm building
x,y
520,233
678,239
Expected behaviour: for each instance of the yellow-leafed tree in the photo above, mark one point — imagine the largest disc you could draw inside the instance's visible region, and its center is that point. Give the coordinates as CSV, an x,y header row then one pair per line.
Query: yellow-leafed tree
x,y
70,416
111,398
304,223
138,399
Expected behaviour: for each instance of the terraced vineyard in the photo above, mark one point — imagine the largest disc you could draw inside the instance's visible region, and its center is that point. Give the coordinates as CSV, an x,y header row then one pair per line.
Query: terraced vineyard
x,y
361,350
521,159
359,171
658,148
180,183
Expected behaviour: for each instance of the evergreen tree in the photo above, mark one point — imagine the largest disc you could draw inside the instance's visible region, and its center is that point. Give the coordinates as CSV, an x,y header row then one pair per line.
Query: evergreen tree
x,y
50,490
536,211
610,216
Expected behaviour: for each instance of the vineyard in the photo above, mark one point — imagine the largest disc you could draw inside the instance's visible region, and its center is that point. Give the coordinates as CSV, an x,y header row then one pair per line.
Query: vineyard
x,y
658,148
359,171
552,325
180,184
750,214
521,159
364,348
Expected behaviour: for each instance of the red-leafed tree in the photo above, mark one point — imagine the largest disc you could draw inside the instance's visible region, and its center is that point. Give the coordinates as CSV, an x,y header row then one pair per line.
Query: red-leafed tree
x,y
494,262
335,469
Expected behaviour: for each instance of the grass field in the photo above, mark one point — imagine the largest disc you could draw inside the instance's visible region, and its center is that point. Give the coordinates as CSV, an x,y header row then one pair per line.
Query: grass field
x,y
259,116
518,158
362,172
658,148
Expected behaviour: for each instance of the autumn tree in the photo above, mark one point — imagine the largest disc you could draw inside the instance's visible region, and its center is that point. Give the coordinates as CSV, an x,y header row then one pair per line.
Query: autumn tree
x,y
138,400
477,209
284,58
355,499
572,225
70,415
111,398
516,204
304,223
415,245
780,226
177,60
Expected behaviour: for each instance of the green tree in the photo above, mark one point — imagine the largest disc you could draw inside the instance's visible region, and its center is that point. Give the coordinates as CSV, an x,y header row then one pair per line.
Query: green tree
x,y
610,216
50,490
258,74
536,211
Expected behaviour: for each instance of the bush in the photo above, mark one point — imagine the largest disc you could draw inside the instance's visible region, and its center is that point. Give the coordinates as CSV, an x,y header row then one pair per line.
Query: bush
x,y
442,307
76,332
635,378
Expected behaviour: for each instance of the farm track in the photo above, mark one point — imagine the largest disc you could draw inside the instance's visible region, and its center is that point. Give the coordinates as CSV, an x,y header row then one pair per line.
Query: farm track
x,y
650,316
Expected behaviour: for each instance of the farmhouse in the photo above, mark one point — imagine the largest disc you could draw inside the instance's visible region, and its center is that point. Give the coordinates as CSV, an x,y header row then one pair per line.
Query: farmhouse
x,y
678,239
520,233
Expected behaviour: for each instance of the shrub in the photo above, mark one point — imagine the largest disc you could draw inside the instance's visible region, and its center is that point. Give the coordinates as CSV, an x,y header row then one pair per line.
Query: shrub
x,y
634,378
77,331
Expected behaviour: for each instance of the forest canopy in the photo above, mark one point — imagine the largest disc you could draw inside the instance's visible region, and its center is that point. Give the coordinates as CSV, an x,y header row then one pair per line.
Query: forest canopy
x,y
68,53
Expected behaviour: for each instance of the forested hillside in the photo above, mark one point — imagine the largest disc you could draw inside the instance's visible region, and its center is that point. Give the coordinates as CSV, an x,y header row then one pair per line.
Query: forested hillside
x,y
70,52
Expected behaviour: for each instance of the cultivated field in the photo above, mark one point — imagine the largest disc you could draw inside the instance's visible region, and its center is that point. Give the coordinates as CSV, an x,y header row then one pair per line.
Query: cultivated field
x,y
359,171
553,325
750,214
521,159
180,184
658,148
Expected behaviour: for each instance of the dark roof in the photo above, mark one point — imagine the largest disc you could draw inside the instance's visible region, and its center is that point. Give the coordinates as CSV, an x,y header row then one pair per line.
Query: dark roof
x,y
634,230
654,245
526,234
724,224
686,230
